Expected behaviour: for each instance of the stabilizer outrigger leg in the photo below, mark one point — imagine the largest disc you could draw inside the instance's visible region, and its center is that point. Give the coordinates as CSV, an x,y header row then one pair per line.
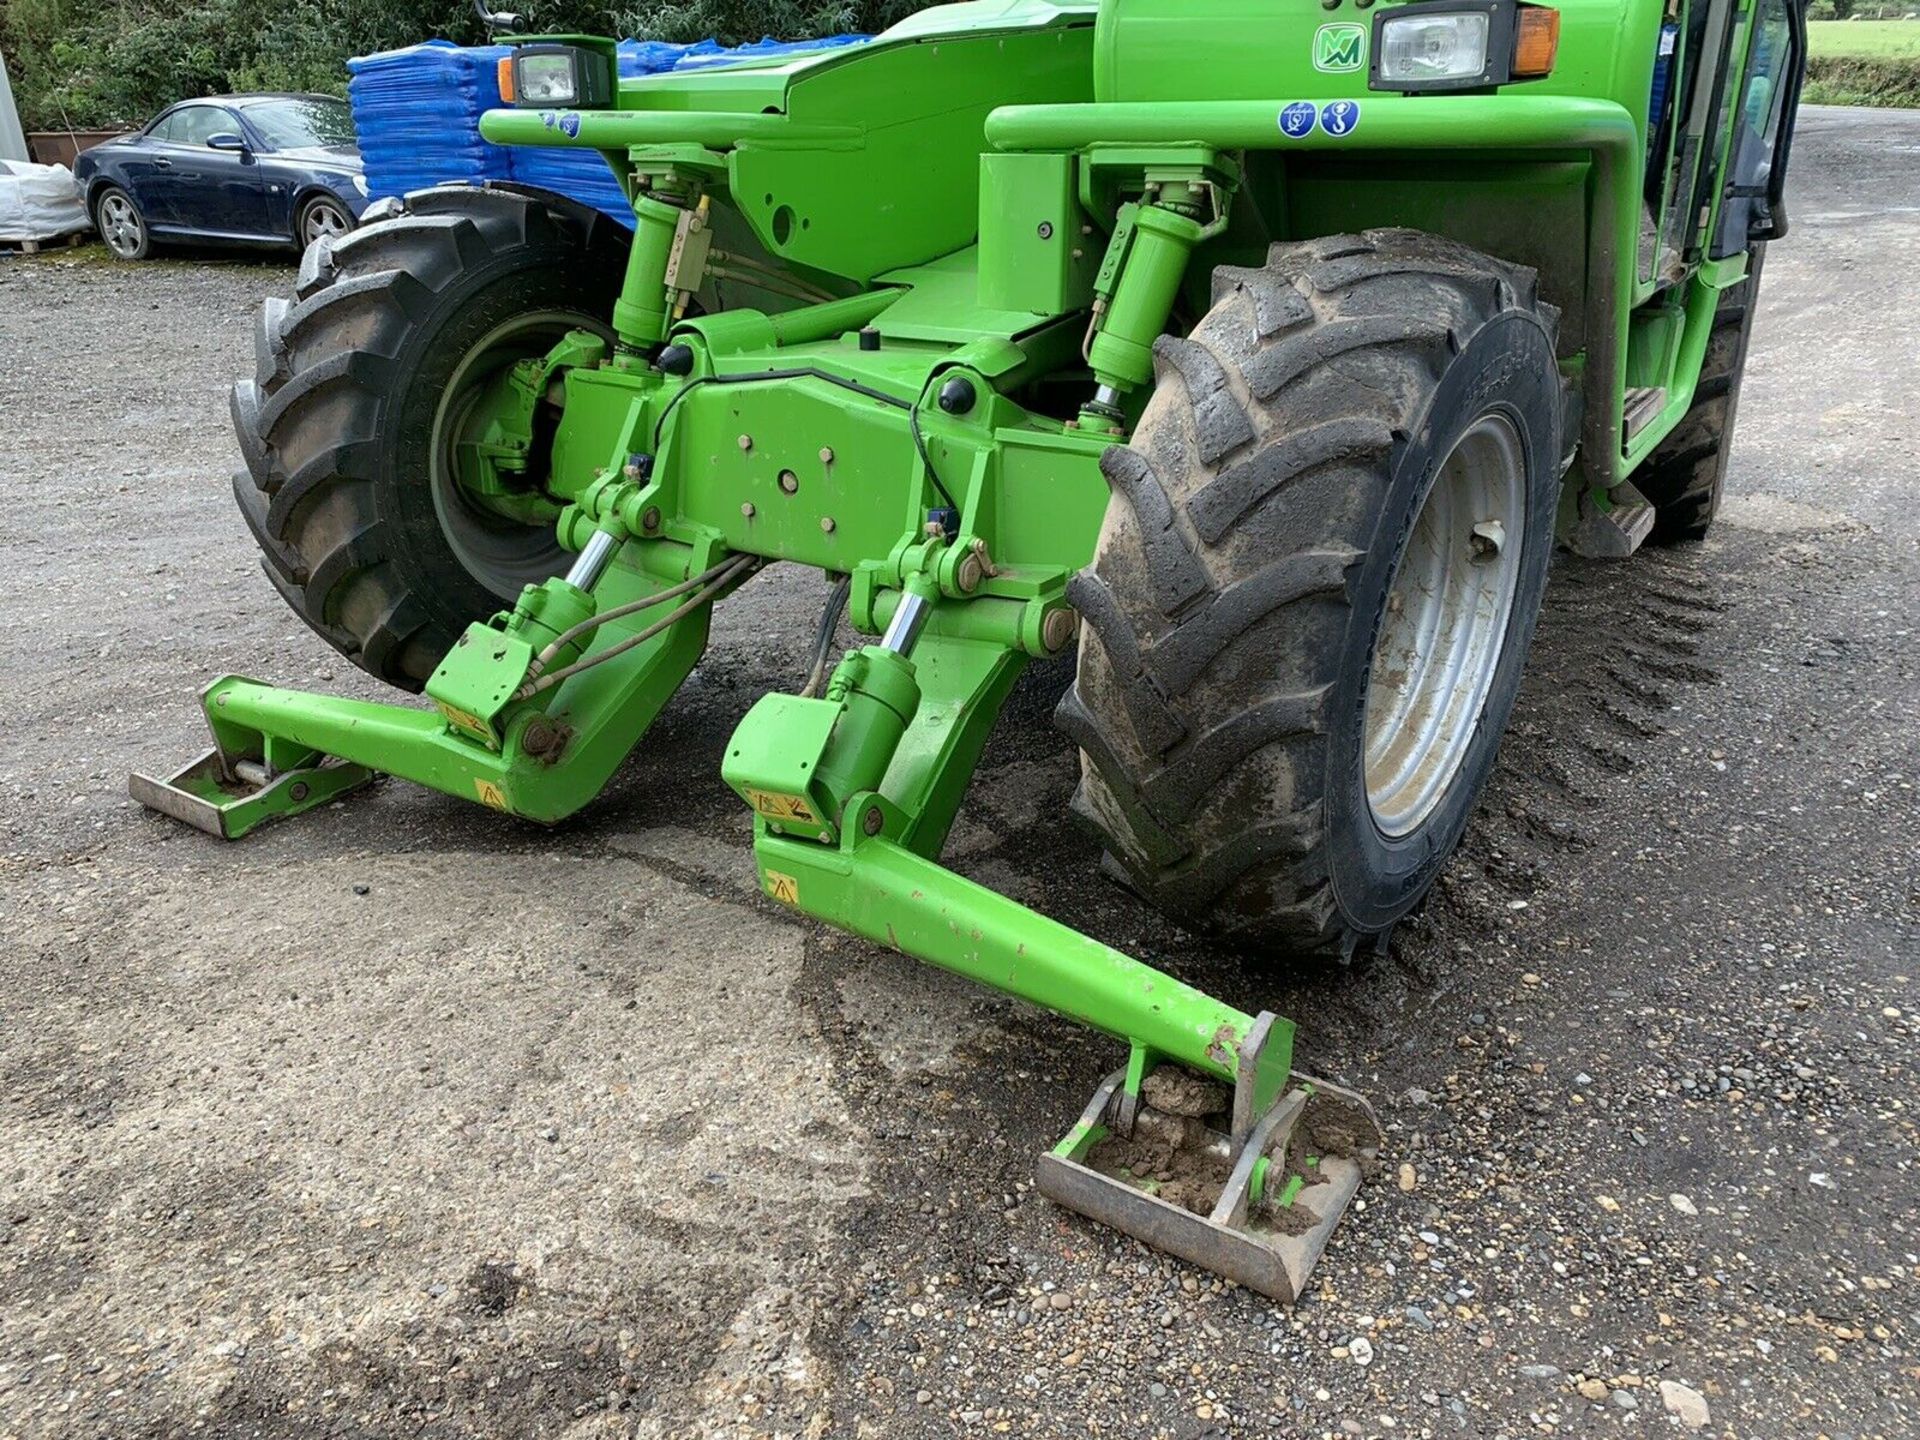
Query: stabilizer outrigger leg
x,y
1248,1183
853,795
501,732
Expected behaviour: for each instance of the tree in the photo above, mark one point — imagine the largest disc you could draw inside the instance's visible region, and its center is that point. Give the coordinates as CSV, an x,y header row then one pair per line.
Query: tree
x,y
89,63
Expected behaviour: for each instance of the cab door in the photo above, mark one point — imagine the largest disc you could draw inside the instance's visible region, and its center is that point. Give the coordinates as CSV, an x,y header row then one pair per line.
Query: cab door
x,y
1752,188
1697,53
1727,84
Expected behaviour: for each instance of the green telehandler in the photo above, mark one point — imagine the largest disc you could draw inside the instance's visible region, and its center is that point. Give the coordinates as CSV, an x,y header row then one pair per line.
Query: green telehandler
x,y
1264,349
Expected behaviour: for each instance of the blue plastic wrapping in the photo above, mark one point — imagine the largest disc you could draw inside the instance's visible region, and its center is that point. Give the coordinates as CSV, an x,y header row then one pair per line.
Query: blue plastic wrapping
x,y
417,112
707,52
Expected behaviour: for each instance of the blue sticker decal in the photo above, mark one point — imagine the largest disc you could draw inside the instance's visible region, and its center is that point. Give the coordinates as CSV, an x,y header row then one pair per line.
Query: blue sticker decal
x,y
547,117
1296,120
1340,117
570,124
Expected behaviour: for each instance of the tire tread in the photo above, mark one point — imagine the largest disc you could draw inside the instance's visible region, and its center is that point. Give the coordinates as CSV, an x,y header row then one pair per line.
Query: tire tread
x,y
1202,702
328,365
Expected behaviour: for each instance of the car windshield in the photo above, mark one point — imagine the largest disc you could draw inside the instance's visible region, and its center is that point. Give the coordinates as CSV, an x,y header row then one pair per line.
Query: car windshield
x,y
295,123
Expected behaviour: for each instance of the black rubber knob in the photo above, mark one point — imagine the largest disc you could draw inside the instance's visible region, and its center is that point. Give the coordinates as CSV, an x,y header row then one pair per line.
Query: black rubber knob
x,y
675,360
957,395
869,338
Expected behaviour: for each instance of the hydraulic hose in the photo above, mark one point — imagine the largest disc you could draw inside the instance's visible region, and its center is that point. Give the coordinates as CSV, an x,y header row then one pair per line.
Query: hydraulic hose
x,y
737,569
645,602
823,637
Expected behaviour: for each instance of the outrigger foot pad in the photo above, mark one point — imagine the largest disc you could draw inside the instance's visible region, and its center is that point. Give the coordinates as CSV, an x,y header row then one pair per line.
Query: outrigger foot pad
x,y
1258,1211
245,779
227,800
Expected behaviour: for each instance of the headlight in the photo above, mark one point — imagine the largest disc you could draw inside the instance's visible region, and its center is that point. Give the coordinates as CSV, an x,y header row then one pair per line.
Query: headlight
x,y
1443,45
546,80
552,76
1420,49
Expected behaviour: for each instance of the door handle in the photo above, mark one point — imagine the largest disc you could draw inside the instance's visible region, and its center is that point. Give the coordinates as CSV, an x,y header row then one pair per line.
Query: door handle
x,y
163,164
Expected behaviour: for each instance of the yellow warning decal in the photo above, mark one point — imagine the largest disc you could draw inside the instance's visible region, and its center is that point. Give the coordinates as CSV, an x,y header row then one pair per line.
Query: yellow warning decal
x,y
462,720
491,794
783,888
776,806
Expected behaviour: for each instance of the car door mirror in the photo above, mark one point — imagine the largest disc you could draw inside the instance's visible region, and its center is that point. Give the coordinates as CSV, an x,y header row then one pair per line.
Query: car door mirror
x,y
227,140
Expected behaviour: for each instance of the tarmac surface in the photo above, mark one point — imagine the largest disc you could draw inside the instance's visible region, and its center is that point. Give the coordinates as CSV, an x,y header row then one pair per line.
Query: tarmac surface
x,y
407,1120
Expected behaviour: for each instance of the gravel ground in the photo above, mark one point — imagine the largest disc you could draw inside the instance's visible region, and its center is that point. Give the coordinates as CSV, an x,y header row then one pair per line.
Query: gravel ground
x,y
406,1120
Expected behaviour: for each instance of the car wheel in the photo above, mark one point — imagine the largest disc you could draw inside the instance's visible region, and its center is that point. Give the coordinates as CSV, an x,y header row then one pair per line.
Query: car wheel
x,y
119,222
323,215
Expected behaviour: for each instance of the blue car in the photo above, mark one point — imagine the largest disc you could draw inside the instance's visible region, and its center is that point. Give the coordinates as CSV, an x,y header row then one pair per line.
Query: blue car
x,y
250,169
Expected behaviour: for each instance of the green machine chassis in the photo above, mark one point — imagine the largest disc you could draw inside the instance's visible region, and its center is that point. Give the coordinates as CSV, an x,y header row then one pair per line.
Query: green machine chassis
x,y
886,430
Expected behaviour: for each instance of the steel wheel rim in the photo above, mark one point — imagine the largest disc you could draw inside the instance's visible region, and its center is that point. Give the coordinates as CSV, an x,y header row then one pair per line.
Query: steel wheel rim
x,y
120,225
323,218
503,554
1445,629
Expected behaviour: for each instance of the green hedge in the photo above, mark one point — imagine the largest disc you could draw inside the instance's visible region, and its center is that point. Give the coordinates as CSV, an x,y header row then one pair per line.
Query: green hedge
x,y
89,63
1858,80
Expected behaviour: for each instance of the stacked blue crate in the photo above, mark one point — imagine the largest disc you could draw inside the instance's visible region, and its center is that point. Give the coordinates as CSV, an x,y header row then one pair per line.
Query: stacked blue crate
x,y
417,112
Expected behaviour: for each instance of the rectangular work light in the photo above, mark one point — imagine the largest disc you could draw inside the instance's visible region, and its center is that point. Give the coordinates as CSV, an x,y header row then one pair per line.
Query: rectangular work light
x,y
549,76
1444,45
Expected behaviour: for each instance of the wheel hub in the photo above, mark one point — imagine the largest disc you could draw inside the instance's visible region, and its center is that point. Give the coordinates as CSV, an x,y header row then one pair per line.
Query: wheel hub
x,y
1446,626
492,541
323,219
120,226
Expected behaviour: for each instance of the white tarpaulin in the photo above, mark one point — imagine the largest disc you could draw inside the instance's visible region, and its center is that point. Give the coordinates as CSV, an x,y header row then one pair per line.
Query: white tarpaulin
x,y
13,142
38,202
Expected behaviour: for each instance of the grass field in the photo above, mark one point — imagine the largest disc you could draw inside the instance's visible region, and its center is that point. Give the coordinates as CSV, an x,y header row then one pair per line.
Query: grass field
x,y
1863,62
1864,39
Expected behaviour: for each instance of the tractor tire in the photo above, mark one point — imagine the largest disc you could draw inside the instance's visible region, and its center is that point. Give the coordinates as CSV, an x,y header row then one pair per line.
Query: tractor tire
x,y
1243,607
1683,477
347,421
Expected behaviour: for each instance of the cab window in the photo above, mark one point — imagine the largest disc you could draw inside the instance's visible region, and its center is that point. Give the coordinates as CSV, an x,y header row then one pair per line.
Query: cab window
x,y
1759,126
1689,97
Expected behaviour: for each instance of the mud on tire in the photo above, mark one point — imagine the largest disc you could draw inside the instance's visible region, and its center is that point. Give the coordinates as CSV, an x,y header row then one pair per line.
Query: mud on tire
x,y
1243,573
338,423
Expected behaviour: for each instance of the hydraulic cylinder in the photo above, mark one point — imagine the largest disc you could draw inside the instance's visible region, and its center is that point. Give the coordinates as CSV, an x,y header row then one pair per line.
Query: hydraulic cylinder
x,y
1163,241
642,314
